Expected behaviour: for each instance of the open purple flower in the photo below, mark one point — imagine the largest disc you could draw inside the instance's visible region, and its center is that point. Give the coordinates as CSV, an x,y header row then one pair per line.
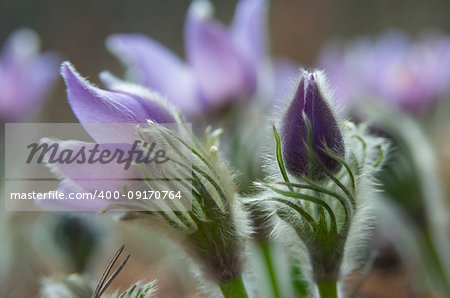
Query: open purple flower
x,y
321,134
125,103
25,75
222,63
207,218
406,74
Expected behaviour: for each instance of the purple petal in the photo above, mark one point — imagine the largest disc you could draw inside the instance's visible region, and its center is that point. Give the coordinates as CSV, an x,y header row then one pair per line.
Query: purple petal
x,y
392,68
21,47
163,106
93,105
285,73
309,100
25,76
222,72
40,76
157,68
340,69
323,123
66,187
294,132
249,29
93,177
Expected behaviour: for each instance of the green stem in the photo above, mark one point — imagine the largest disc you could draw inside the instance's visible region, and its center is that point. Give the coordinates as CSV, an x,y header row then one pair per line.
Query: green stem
x,y
234,288
266,252
299,281
327,288
435,263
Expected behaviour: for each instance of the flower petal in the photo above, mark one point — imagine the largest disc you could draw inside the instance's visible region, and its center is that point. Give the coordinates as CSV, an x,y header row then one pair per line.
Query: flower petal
x,y
89,177
25,76
93,105
309,100
157,68
21,47
66,187
115,84
249,27
285,73
222,72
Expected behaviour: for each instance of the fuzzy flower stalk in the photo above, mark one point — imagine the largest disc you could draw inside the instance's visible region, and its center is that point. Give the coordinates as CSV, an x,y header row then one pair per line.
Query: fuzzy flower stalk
x,y
321,186
215,231
205,216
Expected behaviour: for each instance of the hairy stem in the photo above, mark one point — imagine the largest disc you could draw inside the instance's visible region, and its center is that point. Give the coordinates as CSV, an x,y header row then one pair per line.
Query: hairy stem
x,y
435,263
327,288
268,261
234,288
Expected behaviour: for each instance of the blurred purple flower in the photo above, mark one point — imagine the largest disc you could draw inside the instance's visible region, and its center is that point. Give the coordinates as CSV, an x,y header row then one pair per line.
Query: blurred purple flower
x,y
285,73
408,74
222,63
309,104
25,75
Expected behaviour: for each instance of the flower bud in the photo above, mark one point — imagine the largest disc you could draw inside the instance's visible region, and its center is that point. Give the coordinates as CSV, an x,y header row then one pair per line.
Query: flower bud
x,y
322,134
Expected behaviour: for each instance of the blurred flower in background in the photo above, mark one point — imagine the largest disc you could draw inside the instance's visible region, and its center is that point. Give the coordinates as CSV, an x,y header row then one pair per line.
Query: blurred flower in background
x,y
285,72
25,75
222,63
406,74
226,80
412,76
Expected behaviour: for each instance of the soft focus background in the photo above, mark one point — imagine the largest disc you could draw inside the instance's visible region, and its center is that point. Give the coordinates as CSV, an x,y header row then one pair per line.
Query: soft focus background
x,y
77,31
298,29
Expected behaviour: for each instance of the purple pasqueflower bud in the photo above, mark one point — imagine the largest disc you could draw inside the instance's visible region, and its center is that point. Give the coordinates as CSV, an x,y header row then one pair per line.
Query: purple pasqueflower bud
x,y
309,104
